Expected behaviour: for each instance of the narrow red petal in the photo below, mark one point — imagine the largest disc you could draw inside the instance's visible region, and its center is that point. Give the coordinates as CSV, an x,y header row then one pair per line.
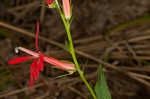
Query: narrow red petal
x,y
32,70
31,76
41,62
37,74
20,59
39,65
35,70
31,80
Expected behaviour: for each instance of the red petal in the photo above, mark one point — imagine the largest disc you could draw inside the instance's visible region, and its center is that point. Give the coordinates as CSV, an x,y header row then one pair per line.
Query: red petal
x,y
20,59
31,71
49,2
31,77
39,66
41,62
35,71
31,80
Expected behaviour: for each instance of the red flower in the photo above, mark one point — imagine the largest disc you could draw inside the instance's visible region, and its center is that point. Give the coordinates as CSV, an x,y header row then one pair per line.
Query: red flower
x,y
49,2
38,64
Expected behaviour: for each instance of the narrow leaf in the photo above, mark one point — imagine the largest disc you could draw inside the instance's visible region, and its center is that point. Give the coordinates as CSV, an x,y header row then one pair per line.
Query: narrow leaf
x,y
101,88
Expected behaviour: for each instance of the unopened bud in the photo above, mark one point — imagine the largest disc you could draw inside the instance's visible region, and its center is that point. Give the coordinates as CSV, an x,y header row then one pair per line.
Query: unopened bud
x,y
66,8
51,3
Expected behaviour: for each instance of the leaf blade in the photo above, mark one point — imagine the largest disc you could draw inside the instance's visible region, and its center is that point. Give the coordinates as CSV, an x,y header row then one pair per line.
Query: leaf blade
x,y
101,88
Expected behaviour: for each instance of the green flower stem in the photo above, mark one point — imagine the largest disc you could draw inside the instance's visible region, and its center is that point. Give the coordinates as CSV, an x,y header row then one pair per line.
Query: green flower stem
x,y
72,51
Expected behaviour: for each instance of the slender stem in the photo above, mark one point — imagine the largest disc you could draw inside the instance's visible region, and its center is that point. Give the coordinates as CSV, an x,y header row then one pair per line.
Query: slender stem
x,y
72,51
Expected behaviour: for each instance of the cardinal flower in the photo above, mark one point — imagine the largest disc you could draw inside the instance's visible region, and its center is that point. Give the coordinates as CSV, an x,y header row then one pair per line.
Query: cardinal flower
x,y
39,59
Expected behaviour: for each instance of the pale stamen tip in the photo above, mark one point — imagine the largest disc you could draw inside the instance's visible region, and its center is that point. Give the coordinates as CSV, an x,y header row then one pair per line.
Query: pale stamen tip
x,y
17,50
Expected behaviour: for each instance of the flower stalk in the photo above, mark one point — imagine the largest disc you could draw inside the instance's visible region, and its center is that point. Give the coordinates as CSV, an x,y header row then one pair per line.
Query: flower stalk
x,y
72,50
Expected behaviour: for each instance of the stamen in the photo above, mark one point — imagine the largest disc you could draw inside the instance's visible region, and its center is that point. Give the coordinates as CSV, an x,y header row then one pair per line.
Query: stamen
x,y
17,50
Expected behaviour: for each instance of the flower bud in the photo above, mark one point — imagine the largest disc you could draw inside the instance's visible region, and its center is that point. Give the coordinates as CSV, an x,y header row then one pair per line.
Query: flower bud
x,y
51,3
66,8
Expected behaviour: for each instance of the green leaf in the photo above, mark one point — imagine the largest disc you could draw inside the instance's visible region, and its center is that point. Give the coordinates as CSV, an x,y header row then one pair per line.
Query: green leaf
x,y
101,88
